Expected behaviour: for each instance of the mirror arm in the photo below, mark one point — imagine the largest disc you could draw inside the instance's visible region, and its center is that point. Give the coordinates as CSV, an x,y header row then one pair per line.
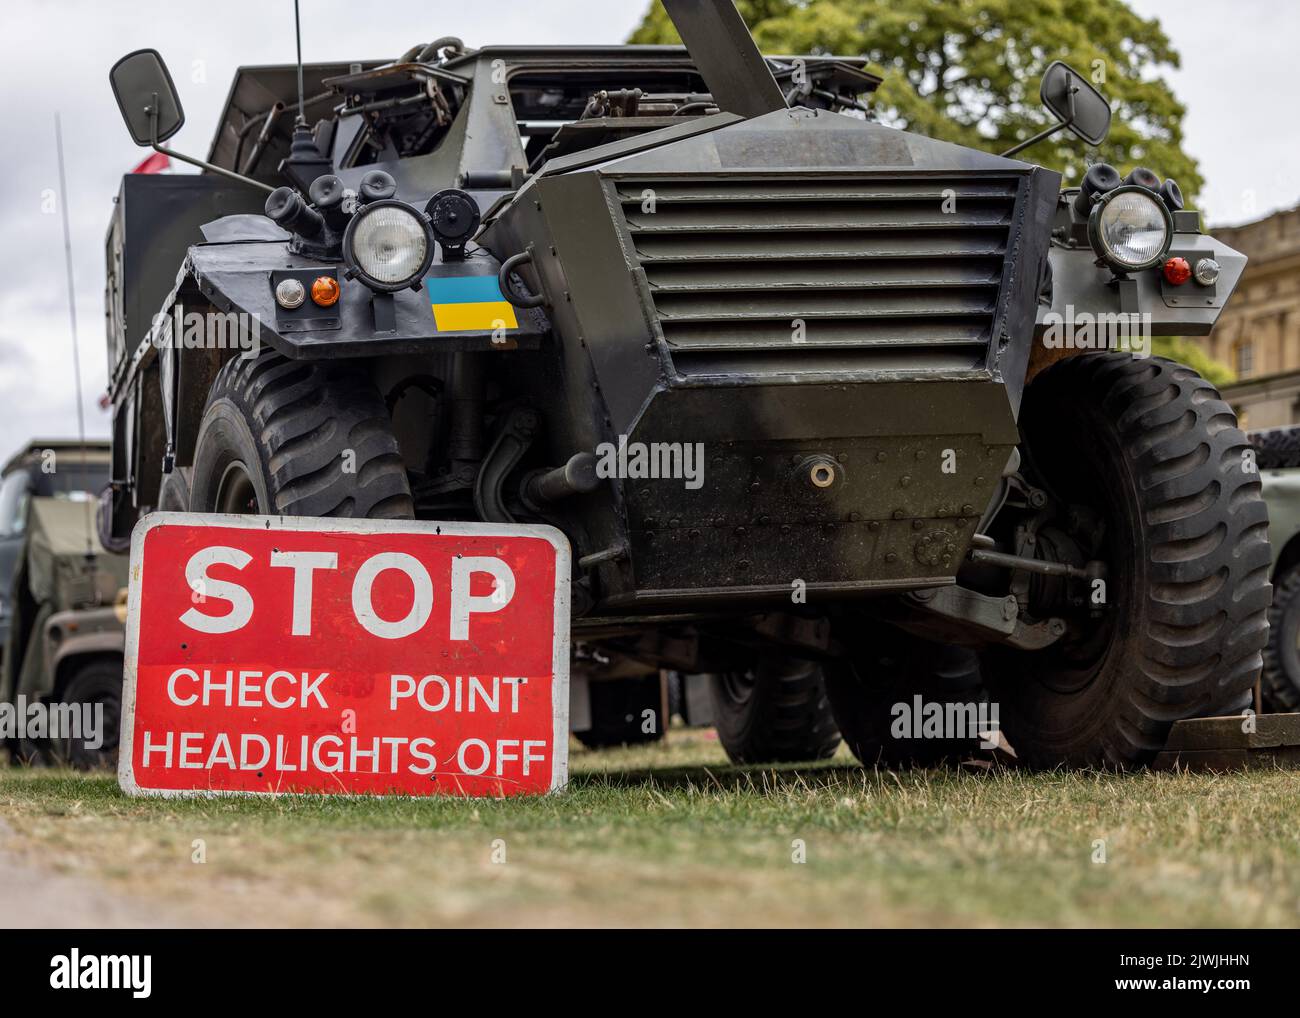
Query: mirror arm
x,y
214,169
1060,125
171,154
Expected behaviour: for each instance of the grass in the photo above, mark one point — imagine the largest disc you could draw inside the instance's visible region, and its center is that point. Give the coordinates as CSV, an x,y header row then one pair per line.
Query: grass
x,y
672,835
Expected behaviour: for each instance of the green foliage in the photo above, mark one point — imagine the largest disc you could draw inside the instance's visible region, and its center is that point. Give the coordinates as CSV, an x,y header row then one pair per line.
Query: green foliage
x,y
1185,352
967,71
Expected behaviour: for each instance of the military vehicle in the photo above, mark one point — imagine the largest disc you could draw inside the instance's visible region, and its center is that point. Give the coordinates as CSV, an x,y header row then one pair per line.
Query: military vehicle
x,y
64,643
43,468
1277,454
797,386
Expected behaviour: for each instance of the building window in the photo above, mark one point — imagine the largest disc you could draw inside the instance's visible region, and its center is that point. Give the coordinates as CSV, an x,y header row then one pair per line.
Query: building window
x,y
1245,359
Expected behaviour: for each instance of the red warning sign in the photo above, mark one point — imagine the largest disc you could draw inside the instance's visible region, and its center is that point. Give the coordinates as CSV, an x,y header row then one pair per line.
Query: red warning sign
x,y
286,654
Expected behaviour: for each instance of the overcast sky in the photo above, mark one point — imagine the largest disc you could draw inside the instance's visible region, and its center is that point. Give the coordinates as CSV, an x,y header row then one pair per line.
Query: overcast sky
x,y
1237,80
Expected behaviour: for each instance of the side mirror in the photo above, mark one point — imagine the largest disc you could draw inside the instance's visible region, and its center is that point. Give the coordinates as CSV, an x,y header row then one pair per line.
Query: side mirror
x,y
1070,97
152,110
146,96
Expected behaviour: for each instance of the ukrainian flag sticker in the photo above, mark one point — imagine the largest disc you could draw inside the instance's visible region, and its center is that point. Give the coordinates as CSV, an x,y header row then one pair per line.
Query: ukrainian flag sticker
x,y
469,304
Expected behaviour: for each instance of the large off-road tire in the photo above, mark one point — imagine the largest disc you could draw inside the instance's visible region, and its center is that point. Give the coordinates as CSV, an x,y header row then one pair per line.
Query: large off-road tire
x,y
775,712
298,438
96,682
1276,448
1281,675
885,668
174,492
1157,454
618,712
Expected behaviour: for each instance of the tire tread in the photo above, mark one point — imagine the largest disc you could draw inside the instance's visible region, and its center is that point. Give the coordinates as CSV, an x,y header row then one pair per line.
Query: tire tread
x,y
306,415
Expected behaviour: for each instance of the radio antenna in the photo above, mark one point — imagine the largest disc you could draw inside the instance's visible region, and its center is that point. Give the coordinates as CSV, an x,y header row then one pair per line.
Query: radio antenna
x,y
297,34
72,316
305,162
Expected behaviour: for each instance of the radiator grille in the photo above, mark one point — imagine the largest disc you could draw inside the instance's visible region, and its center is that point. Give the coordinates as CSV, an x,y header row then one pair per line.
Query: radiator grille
x,y
881,272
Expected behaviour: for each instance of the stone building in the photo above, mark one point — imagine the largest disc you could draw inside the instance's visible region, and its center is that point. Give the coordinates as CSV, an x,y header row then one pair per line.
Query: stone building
x,y
1258,335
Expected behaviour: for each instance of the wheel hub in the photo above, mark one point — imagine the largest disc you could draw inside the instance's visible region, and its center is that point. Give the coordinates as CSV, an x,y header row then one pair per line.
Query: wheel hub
x,y
236,493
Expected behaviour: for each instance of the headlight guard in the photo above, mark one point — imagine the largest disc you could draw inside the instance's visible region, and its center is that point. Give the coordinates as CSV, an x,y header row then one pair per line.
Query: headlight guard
x,y
388,261
1130,229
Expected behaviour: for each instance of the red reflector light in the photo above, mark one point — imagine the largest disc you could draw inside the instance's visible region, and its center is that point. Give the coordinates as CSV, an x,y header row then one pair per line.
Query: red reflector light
x,y
1177,271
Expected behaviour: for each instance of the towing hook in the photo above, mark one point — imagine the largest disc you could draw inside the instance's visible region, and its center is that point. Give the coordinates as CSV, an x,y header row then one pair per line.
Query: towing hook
x,y
527,300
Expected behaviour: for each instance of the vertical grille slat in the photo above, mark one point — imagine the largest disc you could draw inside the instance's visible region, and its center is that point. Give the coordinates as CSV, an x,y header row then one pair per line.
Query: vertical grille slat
x,y
874,271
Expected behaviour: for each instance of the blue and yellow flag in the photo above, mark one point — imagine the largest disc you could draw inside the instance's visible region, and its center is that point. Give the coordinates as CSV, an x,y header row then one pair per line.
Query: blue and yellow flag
x,y
469,304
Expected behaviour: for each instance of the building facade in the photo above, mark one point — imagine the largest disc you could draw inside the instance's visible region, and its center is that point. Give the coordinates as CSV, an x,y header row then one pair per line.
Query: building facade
x,y
1258,335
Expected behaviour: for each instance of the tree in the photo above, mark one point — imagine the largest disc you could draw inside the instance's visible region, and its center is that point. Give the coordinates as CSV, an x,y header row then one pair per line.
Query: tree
x,y
967,71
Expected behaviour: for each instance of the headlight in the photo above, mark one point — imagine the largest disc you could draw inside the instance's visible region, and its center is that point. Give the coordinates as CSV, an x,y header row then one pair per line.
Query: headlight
x,y
388,245
1130,228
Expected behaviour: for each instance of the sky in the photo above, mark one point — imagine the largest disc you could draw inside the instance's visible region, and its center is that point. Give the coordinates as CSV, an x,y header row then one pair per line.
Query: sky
x,y
1237,80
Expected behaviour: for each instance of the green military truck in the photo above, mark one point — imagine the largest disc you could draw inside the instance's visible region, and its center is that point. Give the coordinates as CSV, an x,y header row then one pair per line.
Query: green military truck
x,y
43,468
64,622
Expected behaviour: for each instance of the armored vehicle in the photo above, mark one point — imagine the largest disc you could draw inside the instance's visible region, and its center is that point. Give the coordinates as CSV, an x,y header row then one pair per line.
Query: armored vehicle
x,y
64,644
828,408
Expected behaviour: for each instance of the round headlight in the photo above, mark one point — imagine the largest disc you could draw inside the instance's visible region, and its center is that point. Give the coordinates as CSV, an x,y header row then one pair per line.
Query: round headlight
x,y
389,245
1130,228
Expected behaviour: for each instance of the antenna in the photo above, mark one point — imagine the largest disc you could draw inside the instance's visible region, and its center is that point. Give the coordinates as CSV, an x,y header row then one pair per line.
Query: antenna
x,y
297,34
305,162
72,316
